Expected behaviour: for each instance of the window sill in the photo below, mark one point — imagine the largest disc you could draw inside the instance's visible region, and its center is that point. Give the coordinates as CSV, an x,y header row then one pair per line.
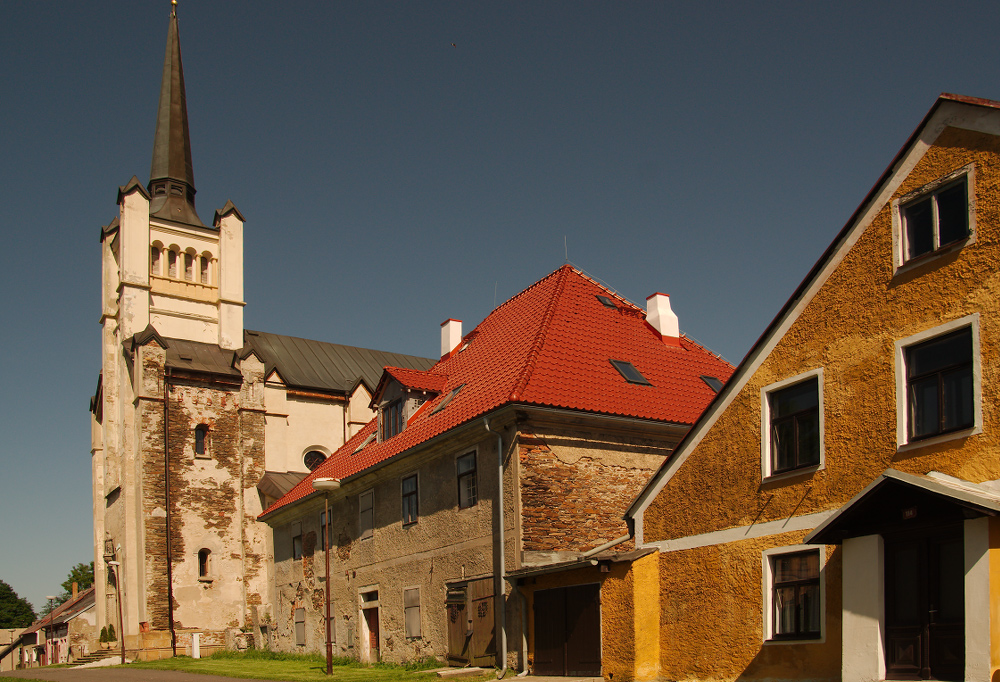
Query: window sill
x,y
934,440
820,639
206,580
793,473
928,258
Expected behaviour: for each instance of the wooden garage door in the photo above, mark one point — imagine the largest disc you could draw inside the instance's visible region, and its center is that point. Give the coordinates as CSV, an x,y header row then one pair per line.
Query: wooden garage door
x,y
568,631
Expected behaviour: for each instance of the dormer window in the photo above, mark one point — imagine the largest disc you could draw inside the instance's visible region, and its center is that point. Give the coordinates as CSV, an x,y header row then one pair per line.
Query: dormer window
x,y
392,419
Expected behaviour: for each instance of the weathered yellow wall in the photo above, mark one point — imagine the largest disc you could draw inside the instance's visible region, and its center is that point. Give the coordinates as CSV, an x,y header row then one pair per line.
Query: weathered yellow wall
x,y
713,629
711,596
994,602
646,613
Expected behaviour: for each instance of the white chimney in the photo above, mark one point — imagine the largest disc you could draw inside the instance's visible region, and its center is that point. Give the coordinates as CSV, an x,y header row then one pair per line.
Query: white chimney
x,y
661,318
451,336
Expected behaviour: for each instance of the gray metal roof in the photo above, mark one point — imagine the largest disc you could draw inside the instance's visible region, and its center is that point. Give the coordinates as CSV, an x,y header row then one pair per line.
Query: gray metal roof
x,y
200,357
331,367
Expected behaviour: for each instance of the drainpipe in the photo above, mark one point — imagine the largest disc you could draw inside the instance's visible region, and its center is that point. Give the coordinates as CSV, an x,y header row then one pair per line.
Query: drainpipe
x,y
606,545
166,495
498,583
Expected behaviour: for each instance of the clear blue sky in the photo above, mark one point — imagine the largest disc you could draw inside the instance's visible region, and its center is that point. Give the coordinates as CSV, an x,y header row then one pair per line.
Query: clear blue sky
x,y
402,163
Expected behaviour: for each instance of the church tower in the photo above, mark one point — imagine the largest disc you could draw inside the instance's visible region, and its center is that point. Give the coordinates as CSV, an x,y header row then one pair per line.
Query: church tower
x,y
178,428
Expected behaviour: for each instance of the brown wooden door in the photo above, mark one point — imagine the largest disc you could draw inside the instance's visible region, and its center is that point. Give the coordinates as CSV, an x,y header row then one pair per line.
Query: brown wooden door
x,y
458,631
568,631
483,644
925,606
371,620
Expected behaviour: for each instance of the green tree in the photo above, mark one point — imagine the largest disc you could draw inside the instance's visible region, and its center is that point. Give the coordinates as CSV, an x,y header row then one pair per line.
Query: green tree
x,y
82,575
15,611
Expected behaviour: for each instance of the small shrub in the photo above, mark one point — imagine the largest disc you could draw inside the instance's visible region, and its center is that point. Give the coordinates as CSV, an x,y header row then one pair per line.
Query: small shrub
x,y
112,637
104,635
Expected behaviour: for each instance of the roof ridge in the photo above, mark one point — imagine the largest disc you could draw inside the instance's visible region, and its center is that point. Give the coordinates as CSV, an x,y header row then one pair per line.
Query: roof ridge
x,y
536,345
608,288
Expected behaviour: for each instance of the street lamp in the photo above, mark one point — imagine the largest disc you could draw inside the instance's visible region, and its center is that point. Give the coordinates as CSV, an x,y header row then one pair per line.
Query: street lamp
x,y
327,485
52,634
118,591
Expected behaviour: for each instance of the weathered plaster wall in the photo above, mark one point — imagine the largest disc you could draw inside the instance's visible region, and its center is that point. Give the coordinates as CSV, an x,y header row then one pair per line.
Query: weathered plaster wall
x,y
446,544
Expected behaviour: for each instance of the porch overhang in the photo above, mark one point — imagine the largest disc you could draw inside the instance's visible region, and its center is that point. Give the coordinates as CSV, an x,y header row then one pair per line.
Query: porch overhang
x,y
898,501
581,562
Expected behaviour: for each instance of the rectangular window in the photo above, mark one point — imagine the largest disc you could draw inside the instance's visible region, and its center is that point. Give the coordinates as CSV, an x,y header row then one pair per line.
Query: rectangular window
x,y
366,514
300,627
172,264
189,267
392,419
796,600
409,494
297,547
411,611
203,264
467,480
939,385
154,260
793,416
935,219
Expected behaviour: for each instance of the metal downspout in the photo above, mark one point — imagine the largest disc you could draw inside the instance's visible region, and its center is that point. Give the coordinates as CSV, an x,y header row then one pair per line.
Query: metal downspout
x,y
166,494
502,570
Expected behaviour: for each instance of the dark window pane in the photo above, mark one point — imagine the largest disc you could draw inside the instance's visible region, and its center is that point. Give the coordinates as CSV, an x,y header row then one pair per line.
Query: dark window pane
x,y
938,353
919,228
924,415
956,389
904,585
794,399
313,459
784,445
629,371
808,440
953,214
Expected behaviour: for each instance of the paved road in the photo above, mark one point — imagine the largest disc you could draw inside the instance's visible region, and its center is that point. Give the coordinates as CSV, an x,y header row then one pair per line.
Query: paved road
x,y
113,674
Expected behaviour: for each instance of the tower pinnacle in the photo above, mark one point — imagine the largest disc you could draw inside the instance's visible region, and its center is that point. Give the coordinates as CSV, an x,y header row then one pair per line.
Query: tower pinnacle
x,y
171,177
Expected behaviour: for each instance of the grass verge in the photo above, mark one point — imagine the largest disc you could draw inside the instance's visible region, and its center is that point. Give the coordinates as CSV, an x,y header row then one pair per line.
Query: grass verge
x,y
272,665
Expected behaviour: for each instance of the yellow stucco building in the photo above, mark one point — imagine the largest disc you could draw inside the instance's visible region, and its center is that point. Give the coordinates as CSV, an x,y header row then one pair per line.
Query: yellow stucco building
x,y
834,512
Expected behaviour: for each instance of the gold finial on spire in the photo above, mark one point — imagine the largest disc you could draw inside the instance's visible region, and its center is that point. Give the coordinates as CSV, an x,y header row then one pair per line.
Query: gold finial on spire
x,y
173,7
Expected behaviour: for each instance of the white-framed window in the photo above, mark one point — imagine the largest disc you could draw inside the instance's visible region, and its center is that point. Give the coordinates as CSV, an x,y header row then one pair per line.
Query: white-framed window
x,y
794,594
411,611
938,384
792,425
936,218
366,514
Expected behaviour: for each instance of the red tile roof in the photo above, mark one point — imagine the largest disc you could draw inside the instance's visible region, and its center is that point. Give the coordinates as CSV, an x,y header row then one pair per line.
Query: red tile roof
x,y
410,378
550,345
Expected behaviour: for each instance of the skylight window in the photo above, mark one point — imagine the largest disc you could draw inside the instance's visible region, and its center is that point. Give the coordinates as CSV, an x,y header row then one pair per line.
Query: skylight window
x,y
606,302
713,383
447,399
631,374
365,442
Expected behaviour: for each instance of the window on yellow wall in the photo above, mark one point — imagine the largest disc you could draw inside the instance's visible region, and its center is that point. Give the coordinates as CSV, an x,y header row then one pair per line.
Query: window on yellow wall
x,y
795,595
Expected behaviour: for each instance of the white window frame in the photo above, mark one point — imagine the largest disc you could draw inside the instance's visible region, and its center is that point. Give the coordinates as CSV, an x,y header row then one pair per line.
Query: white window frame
x,y
899,229
765,426
902,412
767,590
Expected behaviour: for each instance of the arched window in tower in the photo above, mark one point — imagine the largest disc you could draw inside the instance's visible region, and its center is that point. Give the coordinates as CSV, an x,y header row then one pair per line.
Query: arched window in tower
x,y
172,264
204,563
204,261
313,459
189,267
201,441
154,260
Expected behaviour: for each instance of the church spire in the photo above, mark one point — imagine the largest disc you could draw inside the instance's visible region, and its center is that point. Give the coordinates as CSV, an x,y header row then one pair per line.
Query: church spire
x,y
171,178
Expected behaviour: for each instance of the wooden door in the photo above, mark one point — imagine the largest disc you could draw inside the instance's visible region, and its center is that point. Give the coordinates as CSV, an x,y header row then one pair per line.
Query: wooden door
x,y
568,631
925,606
483,644
371,623
459,633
